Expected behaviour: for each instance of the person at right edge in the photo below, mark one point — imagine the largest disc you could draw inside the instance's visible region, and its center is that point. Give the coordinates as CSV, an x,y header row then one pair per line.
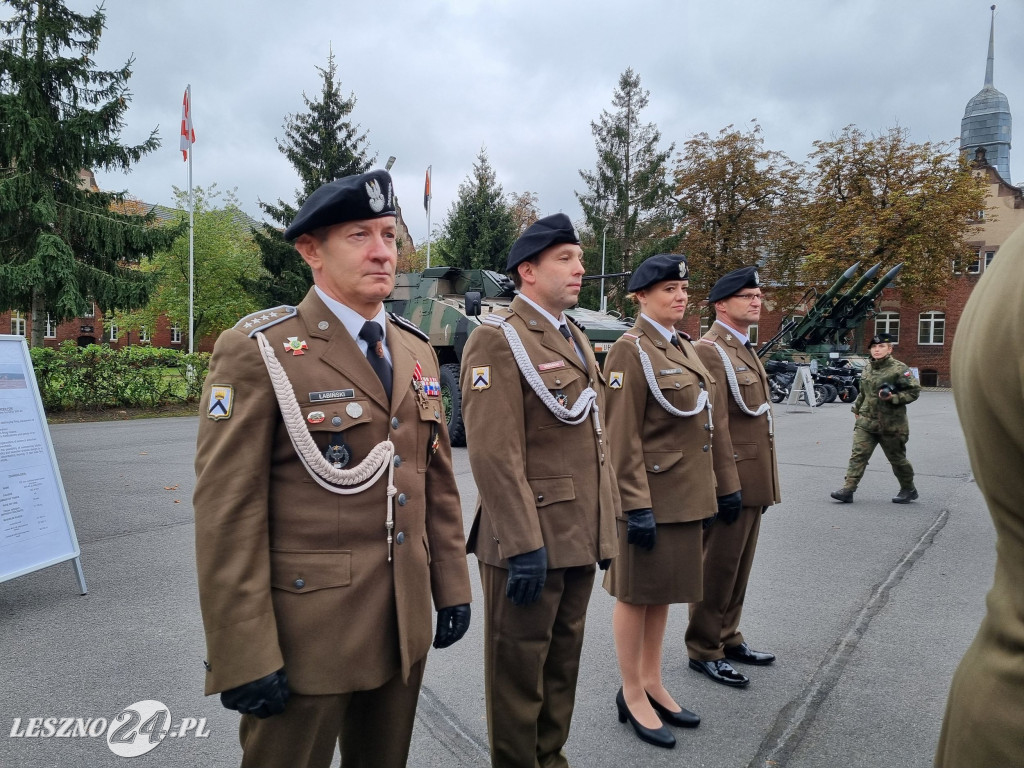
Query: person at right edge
x,y
713,638
984,721
533,400
886,386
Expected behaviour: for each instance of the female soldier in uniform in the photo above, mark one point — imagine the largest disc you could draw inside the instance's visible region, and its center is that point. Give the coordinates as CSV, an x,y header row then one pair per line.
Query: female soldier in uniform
x,y
659,419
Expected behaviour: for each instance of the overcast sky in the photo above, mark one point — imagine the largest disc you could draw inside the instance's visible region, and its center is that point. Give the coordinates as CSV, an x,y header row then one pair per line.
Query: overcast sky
x,y
436,80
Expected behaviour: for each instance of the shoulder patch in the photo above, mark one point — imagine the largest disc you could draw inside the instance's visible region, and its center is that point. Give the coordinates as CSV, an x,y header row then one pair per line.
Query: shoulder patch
x,y
265,318
408,325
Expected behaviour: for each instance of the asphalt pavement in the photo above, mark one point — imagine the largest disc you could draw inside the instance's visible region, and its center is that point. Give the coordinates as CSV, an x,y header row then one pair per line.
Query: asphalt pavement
x,y
868,606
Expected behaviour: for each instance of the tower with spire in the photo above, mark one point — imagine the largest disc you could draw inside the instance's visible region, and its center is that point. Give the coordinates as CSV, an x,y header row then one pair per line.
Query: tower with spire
x,y
987,124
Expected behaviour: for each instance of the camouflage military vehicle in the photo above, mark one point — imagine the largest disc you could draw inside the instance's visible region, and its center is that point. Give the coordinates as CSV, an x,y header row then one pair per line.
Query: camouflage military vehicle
x,y
447,303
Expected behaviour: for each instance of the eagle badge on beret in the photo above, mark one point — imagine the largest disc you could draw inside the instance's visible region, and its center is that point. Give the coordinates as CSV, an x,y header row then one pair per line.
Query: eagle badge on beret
x,y
376,196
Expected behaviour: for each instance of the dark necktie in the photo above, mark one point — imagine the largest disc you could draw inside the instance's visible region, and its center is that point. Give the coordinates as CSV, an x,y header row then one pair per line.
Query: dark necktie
x,y
749,346
373,335
676,344
564,330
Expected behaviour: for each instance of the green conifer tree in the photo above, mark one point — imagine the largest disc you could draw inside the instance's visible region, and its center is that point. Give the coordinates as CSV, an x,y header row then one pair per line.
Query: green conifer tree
x,y
63,245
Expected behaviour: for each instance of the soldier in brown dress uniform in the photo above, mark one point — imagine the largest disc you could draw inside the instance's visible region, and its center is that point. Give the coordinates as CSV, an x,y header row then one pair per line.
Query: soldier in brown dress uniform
x,y
745,434
984,722
532,399
660,425
327,514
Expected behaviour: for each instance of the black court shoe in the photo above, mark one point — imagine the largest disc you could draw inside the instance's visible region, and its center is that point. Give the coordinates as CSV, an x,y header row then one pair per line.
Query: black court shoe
x,y
721,671
659,737
684,718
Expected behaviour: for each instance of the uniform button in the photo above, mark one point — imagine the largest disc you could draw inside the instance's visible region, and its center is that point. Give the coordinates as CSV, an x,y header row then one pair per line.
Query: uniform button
x,y
705,449
400,537
398,460
437,414
657,467
336,421
299,583
401,499
707,427
701,385
558,381
394,422
540,497
677,385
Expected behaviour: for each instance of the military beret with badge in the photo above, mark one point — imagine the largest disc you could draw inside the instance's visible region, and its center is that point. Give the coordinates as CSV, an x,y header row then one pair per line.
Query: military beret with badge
x,y
880,338
543,233
657,269
352,198
734,282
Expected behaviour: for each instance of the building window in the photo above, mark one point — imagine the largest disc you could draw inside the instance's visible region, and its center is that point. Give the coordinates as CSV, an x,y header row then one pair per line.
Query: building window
x,y
175,334
143,334
91,311
752,334
931,328
888,322
958,266
705,324
113,331
989,255
17,324
929,377
974,267
51,327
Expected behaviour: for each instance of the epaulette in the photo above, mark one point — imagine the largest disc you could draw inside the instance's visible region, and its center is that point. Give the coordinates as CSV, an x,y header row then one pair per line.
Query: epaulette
x,y
265,318
631,335
408,325
575,322
702,340
685,335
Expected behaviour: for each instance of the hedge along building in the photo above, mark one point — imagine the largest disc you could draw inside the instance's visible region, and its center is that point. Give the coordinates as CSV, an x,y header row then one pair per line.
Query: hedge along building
x,y
923,332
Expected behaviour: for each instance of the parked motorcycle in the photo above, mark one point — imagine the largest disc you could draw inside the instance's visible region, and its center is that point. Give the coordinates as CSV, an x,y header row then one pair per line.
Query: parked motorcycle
x,y
782,374
842,376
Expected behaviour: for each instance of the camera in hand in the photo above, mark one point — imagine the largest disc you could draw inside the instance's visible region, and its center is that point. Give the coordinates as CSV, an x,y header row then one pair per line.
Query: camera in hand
x,y
885,391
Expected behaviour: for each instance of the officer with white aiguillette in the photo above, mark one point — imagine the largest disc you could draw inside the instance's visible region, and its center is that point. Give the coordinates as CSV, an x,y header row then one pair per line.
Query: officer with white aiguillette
x,y
327,515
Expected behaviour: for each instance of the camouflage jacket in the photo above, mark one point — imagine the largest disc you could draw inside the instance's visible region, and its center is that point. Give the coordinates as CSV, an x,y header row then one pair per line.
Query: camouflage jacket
x,y
875,414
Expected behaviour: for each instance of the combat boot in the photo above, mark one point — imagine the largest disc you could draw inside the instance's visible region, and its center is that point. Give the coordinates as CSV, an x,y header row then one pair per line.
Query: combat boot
x,y
844,495
905,496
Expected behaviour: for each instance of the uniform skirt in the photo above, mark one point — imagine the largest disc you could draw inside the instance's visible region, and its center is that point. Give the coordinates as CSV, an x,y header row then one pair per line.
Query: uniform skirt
x,y
672,572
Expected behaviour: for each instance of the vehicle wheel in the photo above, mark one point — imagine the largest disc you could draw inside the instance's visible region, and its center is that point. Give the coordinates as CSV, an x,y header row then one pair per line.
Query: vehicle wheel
x,y
848,394
831,393
820,394
451,396
778,391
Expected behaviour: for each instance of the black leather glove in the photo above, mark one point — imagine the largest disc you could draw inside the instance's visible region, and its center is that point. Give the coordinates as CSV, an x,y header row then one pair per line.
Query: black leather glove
x,y
263,698
729,507
526,574
603,564
452,623
707,522
640,528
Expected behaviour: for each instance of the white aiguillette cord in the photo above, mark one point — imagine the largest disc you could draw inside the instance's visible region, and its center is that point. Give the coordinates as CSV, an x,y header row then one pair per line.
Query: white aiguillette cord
x,y
341,481
652,384
586,403
734,387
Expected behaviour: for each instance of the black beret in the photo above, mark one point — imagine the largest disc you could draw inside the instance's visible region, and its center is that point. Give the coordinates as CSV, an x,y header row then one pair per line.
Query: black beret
x,y
351,198
734,282
664,266
880,338
543,233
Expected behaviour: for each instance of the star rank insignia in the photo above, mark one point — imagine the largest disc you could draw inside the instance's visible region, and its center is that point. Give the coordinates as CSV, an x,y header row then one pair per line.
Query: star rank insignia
x,y
615,379
295,346
481,377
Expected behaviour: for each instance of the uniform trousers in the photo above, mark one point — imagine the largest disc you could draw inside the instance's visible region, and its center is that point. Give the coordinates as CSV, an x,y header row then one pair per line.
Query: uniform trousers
x,y
373,728
531,664
728,558
893,445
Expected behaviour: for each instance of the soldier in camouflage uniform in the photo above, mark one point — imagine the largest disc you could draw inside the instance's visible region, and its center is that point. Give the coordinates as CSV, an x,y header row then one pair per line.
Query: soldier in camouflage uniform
x,y
886,386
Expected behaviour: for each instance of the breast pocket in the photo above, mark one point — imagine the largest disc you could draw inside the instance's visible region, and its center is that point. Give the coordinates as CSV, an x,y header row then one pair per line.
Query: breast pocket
x,y
680,390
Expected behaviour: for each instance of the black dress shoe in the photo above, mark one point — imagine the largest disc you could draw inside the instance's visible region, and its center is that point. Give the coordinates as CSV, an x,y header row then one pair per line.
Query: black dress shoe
x,y
721,671
659,737
748,655
684,718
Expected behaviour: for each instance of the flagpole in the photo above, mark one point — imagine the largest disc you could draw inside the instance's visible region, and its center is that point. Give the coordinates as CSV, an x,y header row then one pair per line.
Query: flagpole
x,y
429,198
191,232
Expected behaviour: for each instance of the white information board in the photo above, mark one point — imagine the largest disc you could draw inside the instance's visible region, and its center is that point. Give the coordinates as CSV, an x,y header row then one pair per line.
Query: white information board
x,y
803,388
36,530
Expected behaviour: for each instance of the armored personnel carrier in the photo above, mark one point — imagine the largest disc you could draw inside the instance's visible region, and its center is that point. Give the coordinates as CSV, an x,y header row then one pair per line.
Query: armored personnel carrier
x,y
447,303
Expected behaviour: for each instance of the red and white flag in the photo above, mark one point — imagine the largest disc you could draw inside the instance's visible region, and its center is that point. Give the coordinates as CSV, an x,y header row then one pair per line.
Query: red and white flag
x,y
188,135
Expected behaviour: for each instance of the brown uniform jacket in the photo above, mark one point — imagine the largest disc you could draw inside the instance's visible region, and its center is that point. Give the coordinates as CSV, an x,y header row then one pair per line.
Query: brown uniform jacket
x,y
540,482
984,722
291,574
662,462
752,457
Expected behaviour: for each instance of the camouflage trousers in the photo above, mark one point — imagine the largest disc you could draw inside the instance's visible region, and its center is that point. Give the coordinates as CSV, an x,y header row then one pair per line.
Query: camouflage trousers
x,y
893,445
